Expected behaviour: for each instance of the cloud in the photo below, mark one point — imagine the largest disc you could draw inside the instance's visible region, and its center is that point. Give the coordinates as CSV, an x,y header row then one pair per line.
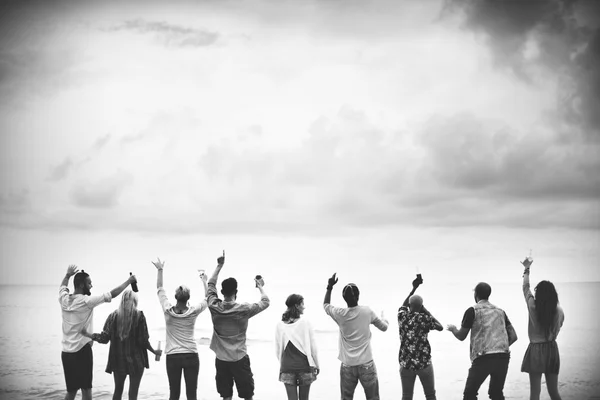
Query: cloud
x,y
101,142
101,194
539,41
61,171
170,35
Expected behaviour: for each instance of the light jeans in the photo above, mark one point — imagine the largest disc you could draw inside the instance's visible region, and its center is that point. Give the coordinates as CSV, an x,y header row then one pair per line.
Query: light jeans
x,y
408,377
365,373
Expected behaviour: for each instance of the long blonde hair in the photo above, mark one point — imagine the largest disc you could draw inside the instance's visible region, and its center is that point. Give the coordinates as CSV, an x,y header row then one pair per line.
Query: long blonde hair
x,y
127,313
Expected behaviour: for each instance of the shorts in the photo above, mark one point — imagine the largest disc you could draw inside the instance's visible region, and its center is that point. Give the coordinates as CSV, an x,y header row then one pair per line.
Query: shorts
x,y
541,358
239,372
78,368
299,378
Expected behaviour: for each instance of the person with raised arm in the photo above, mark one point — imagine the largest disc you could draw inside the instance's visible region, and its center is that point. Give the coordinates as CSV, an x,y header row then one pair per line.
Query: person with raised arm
x,y
296,350
546,317
181,348
414,323
78,315
126,330
355,354
491,336
230,323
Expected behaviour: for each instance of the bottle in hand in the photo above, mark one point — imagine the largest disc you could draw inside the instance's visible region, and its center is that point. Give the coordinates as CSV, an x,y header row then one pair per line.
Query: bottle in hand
x,y
133,284
157,357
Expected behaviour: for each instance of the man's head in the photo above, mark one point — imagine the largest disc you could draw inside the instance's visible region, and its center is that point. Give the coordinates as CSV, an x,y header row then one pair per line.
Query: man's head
x,y
82,283
415,302
350,293
482,291
182,294
229,287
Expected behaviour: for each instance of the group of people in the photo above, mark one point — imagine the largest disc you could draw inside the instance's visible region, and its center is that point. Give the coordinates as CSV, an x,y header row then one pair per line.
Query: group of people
x,y
491,335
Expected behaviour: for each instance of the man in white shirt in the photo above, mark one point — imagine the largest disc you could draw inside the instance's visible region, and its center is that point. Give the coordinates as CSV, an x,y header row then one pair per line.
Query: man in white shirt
x,y
78,315
355,341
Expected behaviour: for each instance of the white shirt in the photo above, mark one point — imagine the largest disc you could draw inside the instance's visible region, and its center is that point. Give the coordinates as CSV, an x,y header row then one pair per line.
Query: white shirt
x,y
78,313
302,336
180,327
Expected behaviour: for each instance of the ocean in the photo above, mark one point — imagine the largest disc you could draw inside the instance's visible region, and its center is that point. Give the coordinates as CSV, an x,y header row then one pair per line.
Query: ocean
x,y
30,342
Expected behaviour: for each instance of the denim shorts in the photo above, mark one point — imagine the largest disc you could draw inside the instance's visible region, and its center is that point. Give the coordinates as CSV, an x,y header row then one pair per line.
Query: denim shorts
x,y
301,378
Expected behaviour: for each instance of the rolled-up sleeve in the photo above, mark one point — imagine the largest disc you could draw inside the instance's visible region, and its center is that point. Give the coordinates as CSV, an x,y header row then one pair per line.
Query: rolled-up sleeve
x,y
94,301
212,296
63,294
378,322
255,308
163,299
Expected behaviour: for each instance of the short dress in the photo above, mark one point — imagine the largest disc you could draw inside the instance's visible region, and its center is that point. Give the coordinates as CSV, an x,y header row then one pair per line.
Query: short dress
x,y
542,355
127,356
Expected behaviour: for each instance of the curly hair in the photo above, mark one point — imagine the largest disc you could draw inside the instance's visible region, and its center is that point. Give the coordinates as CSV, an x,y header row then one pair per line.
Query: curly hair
x,y
292,303
546,302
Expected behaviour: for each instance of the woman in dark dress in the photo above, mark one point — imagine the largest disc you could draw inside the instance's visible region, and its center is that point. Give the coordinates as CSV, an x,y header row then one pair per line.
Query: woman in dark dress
x,y
126,330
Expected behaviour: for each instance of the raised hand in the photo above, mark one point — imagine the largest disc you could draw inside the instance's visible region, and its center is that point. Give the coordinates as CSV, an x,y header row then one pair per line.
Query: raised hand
x,y
159,264
221,260
332,281
72,270
132,279
417,281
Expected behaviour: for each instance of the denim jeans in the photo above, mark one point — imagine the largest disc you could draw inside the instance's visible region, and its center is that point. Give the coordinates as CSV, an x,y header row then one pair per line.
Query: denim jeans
x,y
189,363
408,377
366,374
494,365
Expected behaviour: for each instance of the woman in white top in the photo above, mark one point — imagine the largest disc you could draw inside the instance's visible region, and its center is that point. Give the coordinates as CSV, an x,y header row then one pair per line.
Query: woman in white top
x,y
296,350
181,349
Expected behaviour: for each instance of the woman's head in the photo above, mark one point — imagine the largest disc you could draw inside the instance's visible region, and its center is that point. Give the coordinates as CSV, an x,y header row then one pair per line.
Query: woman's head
x,y
182,294
295,307
126,313
546,301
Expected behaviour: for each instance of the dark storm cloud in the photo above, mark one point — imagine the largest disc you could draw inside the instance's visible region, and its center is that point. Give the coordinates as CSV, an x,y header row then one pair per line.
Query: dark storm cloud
x,y
560,37
170,34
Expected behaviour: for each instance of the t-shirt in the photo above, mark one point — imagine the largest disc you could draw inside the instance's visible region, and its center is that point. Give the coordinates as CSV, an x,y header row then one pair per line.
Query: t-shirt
x,y
355,333
415,351
77,314
230,323
180,327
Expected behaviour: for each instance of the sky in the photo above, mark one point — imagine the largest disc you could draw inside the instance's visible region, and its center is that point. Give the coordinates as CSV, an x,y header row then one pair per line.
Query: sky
x,y
373,139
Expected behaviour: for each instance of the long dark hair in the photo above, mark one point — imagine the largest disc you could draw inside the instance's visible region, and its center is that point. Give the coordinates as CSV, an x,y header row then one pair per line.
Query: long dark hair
x,y
292,303
546,302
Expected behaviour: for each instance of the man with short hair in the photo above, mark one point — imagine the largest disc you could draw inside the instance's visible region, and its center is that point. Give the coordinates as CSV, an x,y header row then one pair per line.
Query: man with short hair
x,y
491,335
78,315
355,341
414,323
230,322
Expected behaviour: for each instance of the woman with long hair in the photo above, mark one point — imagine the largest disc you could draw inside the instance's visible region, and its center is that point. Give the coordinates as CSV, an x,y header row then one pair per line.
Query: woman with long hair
x,y
546,317
126,330
296,350
181,348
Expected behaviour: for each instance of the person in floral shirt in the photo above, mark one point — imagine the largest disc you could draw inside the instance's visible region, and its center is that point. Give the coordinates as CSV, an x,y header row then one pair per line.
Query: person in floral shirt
x,y
414,322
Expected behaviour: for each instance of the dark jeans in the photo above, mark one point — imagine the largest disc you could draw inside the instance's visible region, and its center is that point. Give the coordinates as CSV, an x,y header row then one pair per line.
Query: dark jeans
x,y
189,363
493,365
366,374
408,377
